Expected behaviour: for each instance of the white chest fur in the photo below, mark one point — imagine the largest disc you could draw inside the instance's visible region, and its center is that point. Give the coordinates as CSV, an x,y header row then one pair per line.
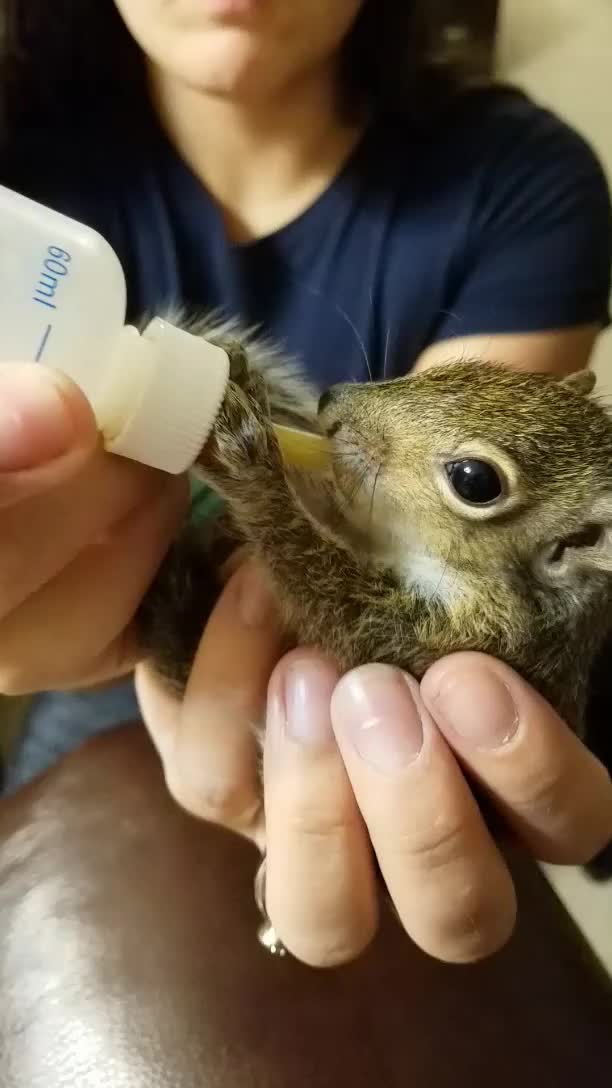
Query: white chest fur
x,y
419,570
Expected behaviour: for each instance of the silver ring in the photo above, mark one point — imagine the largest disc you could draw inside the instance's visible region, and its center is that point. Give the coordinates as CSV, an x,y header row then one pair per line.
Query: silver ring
x,y
266,934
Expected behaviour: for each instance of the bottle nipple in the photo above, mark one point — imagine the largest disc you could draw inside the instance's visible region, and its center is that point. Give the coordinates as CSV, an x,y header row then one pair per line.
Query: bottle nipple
x,y
302,449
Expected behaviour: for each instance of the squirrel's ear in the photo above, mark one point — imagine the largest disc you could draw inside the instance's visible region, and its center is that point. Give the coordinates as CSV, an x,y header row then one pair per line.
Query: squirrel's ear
x,y
589,548
582,381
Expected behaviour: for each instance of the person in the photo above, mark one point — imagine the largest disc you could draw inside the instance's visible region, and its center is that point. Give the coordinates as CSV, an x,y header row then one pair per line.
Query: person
x,y
311,169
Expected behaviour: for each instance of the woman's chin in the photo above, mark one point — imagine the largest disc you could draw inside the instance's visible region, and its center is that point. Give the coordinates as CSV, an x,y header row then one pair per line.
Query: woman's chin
x,y
232,69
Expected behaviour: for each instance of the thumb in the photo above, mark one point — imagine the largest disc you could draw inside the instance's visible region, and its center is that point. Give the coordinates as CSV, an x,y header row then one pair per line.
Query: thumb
x,y
43,417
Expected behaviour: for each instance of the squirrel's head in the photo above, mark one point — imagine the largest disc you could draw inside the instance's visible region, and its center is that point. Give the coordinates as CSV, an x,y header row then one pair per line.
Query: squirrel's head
x,y
472,471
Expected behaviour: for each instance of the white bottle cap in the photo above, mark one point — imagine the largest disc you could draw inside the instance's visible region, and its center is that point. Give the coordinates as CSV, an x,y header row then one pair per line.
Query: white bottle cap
x,y
162,396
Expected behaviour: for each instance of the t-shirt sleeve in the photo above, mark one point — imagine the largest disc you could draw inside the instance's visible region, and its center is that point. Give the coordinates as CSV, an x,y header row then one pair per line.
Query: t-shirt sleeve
x,y
538,239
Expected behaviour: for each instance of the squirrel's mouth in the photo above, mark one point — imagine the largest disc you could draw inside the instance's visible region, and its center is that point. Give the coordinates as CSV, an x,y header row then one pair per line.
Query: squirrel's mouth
x,y
357,473
358,453
342,498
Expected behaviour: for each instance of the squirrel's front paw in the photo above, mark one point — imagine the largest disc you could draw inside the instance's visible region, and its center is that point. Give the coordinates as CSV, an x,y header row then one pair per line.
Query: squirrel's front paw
x,y
242,442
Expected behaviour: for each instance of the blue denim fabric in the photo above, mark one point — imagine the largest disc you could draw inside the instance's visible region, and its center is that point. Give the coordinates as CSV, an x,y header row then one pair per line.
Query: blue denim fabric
x,y
58,722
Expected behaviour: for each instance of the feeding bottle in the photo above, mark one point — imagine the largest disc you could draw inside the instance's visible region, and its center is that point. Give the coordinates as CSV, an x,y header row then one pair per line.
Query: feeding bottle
x,y
156,393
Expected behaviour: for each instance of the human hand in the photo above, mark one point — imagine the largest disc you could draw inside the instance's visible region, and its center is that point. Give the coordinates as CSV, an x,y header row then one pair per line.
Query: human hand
x,y
81,536
373,759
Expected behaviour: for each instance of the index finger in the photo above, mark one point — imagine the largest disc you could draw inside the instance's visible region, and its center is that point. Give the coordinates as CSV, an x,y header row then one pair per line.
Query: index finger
x,y
447,880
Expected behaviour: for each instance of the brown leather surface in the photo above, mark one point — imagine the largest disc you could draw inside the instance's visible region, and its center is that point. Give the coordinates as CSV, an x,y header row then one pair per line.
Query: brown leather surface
x,y
128,960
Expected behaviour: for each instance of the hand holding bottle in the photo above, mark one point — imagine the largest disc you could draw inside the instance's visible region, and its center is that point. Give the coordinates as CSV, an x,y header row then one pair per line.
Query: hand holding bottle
x,y
81,536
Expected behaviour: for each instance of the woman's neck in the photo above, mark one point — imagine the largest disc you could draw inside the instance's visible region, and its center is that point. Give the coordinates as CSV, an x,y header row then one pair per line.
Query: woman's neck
x,y
263,163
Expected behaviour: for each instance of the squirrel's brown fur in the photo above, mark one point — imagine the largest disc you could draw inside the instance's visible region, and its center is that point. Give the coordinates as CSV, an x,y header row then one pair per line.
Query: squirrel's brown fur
x,y
379,560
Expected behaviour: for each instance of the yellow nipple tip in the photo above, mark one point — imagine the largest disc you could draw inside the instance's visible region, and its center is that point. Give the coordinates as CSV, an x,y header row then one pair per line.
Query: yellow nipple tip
x,y
301,448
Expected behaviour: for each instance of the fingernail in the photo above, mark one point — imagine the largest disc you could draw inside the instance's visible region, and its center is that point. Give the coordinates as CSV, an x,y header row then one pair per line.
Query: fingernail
x,y
256,604
375,708
36,424
477,706
308,688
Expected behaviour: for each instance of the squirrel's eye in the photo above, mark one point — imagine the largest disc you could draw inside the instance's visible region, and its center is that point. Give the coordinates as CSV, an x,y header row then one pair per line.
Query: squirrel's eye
x,y
476,482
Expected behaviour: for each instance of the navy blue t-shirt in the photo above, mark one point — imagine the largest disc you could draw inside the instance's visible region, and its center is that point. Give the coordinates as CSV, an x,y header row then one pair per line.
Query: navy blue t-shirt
x,y
495,220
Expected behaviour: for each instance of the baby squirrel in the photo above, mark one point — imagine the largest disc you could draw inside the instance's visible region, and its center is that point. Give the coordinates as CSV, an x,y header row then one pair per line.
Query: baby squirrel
x,y
467,507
